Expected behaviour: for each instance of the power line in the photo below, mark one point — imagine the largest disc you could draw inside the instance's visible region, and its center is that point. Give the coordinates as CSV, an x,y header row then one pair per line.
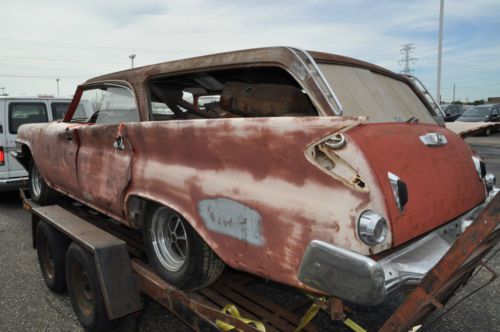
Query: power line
x,y
41,76
406,50
21,58
49,44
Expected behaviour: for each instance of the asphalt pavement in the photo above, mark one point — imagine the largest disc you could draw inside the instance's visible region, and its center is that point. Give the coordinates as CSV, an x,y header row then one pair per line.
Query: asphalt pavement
x,y
27,305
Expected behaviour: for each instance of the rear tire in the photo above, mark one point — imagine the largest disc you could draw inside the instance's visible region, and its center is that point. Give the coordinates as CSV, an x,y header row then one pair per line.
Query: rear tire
x,y
84,289
51,246
177,253
39,191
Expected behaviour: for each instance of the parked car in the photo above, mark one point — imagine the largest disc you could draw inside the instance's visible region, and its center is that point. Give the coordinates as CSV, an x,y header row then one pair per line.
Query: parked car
x,y
452,112
482,113
310,169
15,111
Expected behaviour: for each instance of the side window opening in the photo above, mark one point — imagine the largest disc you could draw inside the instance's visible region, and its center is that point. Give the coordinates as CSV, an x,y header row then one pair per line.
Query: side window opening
x,y
59,110
243,92
21,113
106,105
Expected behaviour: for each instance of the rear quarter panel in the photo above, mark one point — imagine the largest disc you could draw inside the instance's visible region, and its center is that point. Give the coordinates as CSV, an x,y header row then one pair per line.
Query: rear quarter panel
x,y
247,188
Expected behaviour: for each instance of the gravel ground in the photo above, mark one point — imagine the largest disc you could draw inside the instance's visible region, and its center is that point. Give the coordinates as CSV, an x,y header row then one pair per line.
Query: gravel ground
x,y
27,305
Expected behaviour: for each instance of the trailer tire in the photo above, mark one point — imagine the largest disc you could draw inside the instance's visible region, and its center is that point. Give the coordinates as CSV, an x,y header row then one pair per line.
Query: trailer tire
x,y
187,264
84,289
51,247
40,192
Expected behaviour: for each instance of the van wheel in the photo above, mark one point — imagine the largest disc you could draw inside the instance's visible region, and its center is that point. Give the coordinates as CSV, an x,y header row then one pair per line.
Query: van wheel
x,y
51,246
39,191
84,289
177,253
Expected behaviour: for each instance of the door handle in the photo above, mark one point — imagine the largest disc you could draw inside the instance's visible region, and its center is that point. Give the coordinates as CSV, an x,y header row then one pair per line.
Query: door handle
x,y
118,144
69,134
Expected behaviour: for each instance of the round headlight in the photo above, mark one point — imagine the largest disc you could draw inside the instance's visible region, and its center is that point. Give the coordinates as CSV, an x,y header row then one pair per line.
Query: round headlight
x,y
372,228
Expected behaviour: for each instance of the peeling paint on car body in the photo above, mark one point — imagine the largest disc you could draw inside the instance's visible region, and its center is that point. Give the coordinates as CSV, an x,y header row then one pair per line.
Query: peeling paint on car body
x,y
232,218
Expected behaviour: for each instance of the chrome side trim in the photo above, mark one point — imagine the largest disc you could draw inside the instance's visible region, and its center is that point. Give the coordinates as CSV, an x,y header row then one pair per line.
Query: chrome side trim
x,y
319,79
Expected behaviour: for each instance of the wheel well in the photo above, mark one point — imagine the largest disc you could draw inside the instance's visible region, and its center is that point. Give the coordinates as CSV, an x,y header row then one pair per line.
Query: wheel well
x,y
25,157
137,208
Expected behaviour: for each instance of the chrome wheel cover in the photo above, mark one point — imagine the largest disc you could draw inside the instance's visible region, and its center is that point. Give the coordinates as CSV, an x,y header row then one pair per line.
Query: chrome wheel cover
x,y
169,239
36,182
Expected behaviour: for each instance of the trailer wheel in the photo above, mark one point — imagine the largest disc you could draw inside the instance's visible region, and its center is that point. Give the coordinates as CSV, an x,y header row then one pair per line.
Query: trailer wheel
x,y
84,289
51,246
39,191
177,253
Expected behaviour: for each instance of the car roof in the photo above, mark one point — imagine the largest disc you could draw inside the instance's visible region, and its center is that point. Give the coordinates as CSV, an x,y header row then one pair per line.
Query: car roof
x,y
272,55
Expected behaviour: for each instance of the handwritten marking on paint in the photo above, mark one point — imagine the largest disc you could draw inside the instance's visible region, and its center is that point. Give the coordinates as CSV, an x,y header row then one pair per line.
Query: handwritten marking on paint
x,y
232,218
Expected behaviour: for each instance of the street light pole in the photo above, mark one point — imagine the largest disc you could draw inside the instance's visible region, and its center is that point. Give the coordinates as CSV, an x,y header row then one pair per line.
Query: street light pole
x,y
132,56
440,51
57,81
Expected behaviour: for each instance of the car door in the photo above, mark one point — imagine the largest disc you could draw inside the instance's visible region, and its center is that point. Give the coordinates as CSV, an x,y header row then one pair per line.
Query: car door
x,y
19,112
104,156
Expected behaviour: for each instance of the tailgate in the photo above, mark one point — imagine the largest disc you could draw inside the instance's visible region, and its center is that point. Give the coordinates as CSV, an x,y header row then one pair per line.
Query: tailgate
x,y
442,181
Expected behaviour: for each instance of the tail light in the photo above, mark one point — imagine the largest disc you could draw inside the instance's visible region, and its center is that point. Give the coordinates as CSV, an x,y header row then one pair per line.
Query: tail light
x,y
2,156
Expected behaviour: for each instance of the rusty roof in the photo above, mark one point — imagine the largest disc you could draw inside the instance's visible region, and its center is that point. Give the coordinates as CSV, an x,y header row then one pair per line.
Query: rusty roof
x,y
267,55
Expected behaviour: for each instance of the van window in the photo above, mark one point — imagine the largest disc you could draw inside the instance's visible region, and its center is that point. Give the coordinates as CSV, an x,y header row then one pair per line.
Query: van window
x,y
60,109
21,113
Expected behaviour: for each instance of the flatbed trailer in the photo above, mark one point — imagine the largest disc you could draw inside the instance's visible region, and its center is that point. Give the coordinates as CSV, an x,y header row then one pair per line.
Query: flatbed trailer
x,y
124,275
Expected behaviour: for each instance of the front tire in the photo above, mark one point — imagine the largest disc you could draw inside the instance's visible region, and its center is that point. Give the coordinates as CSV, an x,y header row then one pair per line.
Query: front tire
x,y
39,191
177,253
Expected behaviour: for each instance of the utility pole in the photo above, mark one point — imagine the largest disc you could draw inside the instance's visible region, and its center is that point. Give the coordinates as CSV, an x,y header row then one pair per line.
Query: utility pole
x,y
57,81
132,56
440,51
453,91
406,51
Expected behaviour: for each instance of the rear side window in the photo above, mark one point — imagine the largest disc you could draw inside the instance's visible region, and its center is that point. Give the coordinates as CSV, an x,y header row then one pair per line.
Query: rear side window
x,y
21,113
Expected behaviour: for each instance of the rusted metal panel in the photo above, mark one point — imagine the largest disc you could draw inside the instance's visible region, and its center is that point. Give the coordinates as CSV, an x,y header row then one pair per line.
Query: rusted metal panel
x,y
480,237
258,164
429,175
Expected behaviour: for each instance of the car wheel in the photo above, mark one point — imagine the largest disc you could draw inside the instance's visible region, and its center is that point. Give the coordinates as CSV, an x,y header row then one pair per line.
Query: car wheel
x,y
39,191
84,289
51,246
177,253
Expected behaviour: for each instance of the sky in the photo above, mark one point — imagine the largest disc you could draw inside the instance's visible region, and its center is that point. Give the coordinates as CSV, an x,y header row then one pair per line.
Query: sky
x,y
75,40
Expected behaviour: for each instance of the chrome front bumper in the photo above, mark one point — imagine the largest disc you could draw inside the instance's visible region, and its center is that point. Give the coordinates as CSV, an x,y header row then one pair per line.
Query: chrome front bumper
x,y
360,279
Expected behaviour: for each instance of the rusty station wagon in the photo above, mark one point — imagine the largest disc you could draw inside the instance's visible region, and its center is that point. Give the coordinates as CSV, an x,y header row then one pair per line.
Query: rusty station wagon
x,y
314,170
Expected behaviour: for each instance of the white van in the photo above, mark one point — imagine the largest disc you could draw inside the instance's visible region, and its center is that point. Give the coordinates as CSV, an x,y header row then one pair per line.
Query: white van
x,y
15,111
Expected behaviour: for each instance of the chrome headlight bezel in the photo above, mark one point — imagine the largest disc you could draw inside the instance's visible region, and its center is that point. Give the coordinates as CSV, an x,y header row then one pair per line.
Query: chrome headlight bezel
x,y
373,228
